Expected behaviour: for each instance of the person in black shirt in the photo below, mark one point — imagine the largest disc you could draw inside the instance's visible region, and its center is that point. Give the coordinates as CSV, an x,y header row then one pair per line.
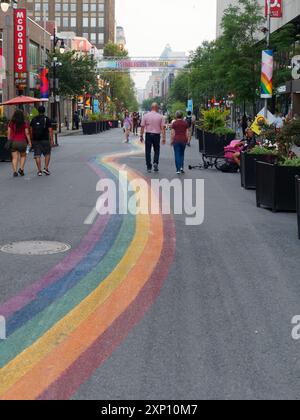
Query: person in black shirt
x,y
42,140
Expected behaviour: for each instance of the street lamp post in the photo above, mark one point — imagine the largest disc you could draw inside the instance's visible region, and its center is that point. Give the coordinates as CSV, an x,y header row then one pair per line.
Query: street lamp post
x,y
54,95
268,44
5,5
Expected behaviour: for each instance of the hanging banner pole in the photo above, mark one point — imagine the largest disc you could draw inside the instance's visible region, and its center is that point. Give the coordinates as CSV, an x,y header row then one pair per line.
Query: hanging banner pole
x,y
267,64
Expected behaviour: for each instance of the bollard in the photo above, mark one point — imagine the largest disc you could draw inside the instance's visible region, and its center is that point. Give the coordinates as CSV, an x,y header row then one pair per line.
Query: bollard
x,y
2,328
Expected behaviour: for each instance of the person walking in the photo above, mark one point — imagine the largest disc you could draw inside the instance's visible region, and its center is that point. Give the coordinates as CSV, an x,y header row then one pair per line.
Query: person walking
x,y
135,123
42,140
189,120
179,140
127,124
19,136
76,121
154,125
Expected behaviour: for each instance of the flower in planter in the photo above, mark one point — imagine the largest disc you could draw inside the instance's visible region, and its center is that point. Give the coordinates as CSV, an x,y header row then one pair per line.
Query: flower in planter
x,y
288,137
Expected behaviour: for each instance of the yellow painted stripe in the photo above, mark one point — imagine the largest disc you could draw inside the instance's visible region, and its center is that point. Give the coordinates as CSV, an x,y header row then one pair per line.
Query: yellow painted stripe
x,y
19,366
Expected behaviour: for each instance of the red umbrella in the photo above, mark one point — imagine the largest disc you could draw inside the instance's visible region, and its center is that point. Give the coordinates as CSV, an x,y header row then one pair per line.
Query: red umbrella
x,y
21,100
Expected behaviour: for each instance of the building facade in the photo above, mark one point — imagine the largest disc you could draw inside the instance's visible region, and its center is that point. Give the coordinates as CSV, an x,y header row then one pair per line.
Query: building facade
x,y
160,82
38,44
290,8
120,37
91,19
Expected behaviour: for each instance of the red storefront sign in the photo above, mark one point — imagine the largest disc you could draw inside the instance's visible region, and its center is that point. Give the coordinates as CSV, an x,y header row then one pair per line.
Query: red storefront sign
x,y
20,31
276,8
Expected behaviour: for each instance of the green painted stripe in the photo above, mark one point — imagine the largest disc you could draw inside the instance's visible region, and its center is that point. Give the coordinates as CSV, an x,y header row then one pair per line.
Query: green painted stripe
x,y
40,324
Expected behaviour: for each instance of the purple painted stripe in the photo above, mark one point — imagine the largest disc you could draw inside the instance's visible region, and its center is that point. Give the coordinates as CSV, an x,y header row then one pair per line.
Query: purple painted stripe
x,y
66,265
82,369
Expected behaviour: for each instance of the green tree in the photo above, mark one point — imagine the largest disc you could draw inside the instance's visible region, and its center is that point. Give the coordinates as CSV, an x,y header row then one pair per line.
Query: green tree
x,y
77,74
146,106
122,86
238,52
229,65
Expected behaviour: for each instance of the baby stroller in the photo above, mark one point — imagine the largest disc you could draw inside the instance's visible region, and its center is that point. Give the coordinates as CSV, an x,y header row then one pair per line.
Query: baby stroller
x,y
229,165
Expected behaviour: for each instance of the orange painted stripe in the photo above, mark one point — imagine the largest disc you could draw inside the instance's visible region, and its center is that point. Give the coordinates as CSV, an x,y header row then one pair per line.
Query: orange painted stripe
x,y
45,372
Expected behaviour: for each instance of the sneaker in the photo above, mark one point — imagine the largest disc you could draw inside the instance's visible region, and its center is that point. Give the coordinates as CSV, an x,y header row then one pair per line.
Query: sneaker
x,y
15,175
156,167
182,171
46,172
178,172
149,171
21,172
40,173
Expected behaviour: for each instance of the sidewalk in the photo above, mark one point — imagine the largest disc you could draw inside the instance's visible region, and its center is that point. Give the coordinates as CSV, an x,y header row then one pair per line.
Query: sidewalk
x,y
70,132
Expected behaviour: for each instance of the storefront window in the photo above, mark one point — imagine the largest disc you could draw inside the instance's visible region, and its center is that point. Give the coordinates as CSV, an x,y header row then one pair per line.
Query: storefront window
x,y
33,56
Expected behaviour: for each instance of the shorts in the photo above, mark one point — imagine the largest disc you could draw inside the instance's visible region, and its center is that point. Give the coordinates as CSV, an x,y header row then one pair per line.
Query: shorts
x,y
19,146
42,148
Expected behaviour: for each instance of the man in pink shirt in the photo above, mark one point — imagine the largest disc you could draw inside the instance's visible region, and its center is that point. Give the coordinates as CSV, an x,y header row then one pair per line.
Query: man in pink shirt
x,y
154,125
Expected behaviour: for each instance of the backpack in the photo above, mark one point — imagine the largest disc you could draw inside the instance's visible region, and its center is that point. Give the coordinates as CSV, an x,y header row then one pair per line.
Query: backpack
x,y
39,128
189,121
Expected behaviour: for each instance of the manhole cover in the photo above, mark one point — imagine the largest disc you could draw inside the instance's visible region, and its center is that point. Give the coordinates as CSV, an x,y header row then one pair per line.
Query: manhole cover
x,y
35,248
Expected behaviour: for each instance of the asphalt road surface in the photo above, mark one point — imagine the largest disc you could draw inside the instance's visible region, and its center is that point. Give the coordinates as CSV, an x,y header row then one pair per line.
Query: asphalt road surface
x,y
144,307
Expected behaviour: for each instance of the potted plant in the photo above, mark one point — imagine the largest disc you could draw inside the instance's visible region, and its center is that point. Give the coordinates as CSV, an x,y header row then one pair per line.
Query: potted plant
x,y
89,126
5,155
199,136
275,182
216,135
248,163
298,202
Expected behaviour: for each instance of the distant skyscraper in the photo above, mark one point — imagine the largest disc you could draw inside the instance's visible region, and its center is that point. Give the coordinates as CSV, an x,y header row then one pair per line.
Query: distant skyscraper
x,y
93,19
120,36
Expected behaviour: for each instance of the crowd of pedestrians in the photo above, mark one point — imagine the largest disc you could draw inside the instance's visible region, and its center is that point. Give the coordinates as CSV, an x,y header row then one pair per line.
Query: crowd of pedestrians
x,y
153,128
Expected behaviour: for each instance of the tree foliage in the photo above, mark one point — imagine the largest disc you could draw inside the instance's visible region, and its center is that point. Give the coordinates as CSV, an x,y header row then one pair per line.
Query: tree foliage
x,y
146,106
122,86
77,74
231,65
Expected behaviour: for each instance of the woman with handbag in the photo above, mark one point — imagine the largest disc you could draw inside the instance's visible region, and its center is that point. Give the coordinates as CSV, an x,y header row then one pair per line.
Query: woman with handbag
x,y
179,140
19,139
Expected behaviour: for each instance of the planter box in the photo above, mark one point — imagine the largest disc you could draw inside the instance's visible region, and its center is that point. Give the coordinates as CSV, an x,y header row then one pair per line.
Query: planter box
x,y
298,202
5,155
89,128
248,168
275,186
200,138
214,145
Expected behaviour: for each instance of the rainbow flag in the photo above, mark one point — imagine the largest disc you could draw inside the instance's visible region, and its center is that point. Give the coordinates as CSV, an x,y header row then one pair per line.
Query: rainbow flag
x,y
267,74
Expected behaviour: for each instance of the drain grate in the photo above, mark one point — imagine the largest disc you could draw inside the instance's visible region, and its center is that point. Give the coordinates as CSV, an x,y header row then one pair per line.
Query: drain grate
x,y
35,248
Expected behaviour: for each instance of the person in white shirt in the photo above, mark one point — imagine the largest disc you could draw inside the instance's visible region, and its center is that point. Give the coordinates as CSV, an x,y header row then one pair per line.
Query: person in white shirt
x,y
278,123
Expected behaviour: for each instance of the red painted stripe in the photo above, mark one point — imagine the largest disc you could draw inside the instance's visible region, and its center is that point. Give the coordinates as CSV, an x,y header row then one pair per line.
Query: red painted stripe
x,y
81,370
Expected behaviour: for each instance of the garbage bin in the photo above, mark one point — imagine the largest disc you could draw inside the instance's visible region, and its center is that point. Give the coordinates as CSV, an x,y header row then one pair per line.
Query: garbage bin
x,y
5,155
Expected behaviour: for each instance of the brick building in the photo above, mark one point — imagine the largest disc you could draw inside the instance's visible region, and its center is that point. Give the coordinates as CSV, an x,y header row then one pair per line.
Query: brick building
x,y
91,19
38,42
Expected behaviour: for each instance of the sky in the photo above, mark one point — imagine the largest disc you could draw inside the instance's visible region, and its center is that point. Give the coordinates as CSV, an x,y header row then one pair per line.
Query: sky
x,y
152,24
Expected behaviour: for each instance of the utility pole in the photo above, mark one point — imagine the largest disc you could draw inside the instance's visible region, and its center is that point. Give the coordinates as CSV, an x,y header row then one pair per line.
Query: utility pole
x,y
268,44
54,86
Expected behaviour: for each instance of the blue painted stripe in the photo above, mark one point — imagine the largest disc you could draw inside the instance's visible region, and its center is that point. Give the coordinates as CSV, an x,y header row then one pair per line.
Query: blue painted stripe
x,y
56,290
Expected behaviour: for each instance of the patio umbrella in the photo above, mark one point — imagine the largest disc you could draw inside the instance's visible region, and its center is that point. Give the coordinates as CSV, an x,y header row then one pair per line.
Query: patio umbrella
x,y
21,100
